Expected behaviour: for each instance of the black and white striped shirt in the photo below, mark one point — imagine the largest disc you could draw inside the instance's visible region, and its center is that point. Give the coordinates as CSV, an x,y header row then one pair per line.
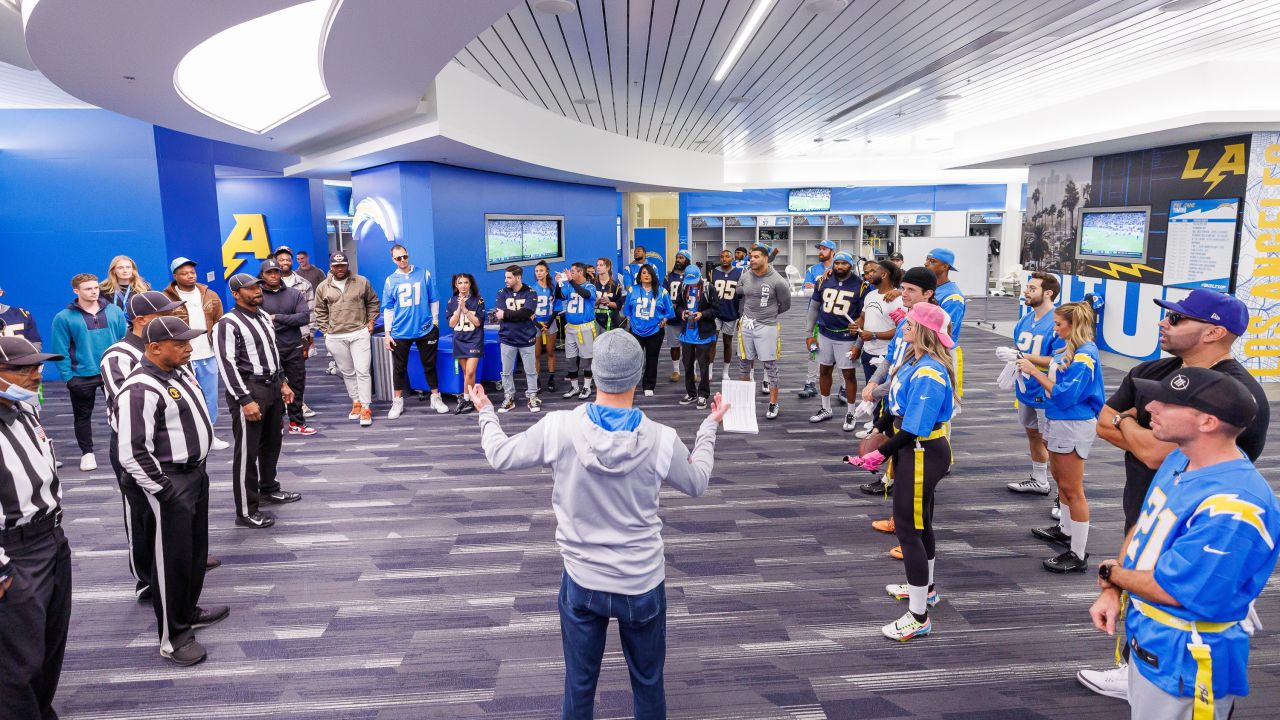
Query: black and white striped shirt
x,y
117,363
246,346
29,487
162,419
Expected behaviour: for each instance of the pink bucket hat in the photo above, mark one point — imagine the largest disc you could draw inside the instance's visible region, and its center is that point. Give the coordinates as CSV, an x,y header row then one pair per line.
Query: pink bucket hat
x,y
933,317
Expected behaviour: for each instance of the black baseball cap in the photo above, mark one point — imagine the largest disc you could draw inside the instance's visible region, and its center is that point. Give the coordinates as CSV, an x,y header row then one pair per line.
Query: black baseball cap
x,y
1208,391
152,303
169,328
338,259
19,352
921,277
240,281
269,264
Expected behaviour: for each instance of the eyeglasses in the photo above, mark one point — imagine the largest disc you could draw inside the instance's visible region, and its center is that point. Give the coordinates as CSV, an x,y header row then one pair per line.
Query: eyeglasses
x,y
1176,317
22,369
398,258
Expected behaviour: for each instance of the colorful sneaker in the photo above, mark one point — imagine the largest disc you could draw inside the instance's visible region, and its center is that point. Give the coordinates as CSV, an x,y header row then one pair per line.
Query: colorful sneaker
x,y
902,591
300,429
675,376
535,404
355,411
884,526
366,416
896,553
508,404
907,627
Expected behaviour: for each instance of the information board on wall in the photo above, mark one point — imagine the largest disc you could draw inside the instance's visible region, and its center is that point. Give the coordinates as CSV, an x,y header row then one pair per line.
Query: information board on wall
x,y
1202,236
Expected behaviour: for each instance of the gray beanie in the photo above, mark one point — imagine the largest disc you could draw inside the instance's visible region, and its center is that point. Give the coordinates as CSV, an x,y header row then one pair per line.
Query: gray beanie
x,y
617,361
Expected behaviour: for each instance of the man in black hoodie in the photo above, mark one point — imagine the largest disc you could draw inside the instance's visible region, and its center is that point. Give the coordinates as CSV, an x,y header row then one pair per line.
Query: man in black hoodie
x,y
697,308
290,312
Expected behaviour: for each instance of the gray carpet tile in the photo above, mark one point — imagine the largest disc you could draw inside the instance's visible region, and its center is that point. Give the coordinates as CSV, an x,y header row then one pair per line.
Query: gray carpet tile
x,y
412,581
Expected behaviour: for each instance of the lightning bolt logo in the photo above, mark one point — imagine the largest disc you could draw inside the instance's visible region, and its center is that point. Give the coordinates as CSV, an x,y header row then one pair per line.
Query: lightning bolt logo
x,y
1242,510
1114,269
1084,359
931,373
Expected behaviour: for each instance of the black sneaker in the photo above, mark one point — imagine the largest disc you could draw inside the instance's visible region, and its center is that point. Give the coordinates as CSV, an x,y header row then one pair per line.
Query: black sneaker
x,y
1052,534
551,384
764,388
508,404
281,497
688,399
205,618
585,393
702,403
187,655
465,407
1067,562
807,391
877,488
257,520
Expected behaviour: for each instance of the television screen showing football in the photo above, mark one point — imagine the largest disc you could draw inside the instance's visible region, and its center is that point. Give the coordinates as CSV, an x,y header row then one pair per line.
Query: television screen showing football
x,y
1114,234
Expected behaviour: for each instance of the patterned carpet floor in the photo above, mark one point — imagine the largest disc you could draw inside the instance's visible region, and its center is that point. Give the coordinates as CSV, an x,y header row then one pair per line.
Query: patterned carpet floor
x,y
412,581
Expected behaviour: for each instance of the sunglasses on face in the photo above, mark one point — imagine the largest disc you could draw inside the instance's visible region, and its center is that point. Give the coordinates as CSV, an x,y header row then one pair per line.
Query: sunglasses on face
x,y
1176,317
398,258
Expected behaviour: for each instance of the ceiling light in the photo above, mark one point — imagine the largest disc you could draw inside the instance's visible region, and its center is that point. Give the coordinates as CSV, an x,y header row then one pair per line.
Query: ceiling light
x,y
262,72
826,7
584,101
1184,5
739,99
948,98
874,110
555,7
745,34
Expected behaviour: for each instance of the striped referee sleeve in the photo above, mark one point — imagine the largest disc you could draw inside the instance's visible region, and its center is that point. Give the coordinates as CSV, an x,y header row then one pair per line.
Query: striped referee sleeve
x,y
136,411
115,367
224,345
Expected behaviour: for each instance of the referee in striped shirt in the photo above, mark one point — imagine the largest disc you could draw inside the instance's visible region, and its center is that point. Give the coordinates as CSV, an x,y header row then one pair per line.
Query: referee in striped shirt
x,y
35,559
164,437
257,391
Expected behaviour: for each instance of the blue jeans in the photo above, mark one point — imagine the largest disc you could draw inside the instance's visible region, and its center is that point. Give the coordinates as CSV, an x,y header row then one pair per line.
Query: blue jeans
x,y
642,626
207,375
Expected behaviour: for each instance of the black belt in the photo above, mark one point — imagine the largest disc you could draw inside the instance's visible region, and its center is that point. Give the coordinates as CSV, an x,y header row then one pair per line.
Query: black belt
x,y
37,527
267,379
180,467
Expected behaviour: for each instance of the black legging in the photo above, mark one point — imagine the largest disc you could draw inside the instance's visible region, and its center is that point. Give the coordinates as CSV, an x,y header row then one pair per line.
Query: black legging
x,y
426,353
913,504
652,349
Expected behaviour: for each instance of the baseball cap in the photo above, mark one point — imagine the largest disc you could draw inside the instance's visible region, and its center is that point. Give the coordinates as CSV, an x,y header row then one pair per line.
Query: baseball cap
x,y
945,256
268,264
826,244
843,256
921,277
1212,307
1208,391
240,281
179,262
934,318
19,352
692,275
151,303
283,249
895,256
169,328
338,259
617,362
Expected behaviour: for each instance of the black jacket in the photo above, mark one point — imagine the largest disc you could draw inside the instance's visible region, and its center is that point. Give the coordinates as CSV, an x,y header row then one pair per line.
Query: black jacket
x,y
708,305
289,312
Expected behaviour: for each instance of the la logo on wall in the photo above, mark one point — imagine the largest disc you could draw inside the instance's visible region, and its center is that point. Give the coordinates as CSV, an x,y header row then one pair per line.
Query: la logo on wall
x,y
1231,162
249,236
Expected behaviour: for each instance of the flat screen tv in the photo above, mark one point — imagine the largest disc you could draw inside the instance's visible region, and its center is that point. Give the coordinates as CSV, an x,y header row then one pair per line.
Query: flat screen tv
x,y
804,200
1117,233
523,239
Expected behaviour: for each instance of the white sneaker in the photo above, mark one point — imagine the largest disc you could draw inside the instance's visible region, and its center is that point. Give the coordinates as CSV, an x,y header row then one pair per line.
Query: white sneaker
x,y
822,414
1030,485
307,412
571,392
437,404
648,393
1055,511
902,591
88,462
397,408
772,412
907,627
1112,683
219,444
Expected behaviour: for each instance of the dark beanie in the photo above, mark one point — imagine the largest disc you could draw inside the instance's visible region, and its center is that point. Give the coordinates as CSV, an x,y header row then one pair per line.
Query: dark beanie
x,y
921,277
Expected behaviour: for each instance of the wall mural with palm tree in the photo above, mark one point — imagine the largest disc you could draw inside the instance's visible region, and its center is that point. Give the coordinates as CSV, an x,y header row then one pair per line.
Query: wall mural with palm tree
x,y
1055,191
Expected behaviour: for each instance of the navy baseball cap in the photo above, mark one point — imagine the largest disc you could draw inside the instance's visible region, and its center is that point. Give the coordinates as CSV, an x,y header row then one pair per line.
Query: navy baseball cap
x,y
268,264
1208,391
338,259
826,244
945,256
179,262
152,303
1212,307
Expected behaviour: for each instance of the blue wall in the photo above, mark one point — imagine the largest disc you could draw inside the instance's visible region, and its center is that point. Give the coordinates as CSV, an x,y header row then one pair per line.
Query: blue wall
x,y
287,206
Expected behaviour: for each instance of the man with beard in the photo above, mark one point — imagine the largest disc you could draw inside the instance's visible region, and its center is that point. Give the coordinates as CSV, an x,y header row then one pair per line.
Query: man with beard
x,y
765,296
1037,342
725,279
346,311
836,301
631,273
675,281
816,272
290,314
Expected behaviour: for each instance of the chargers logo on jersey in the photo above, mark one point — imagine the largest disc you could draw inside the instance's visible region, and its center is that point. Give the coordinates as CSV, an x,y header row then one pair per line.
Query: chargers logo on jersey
x,y
1241,510
931,373
1084,359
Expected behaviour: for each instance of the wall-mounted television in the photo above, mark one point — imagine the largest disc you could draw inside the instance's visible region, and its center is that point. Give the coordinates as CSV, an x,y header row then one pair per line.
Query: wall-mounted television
x,y
522,239
805,200
1115,233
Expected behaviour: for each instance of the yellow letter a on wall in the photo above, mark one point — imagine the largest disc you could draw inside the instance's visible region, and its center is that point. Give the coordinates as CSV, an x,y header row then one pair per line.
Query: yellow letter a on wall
x,y
248,236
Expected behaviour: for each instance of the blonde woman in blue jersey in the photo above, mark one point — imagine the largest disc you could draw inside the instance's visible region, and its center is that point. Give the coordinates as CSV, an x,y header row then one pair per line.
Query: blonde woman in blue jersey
x,y
921,401
1074,396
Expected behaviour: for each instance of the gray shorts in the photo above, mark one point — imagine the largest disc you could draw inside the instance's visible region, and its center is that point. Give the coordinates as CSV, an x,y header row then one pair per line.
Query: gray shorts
x,y
579,340
727,327
553,328
757,341
1148,702
673,333
834,353
1065,436
1029,416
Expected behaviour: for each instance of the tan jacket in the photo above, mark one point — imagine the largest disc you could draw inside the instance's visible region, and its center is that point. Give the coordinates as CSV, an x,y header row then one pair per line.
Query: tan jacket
x,y
339,312
208,299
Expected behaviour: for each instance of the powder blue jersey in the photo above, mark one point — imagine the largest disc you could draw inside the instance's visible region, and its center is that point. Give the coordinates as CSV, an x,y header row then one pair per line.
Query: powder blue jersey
x,y
952,300
631,272
1035,337
897,347
1078,393
409,297
644,310
741,264
546,303
920,393
468,338
578,309
1210,536
726,284
839,303
814,272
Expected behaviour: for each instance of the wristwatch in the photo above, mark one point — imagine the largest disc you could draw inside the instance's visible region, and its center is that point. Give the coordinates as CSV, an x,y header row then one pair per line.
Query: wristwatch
x,y
1119,417
1104,572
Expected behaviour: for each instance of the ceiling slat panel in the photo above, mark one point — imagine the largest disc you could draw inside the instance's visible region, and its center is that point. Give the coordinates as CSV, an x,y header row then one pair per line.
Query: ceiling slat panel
x,y
712,36
591,64
615,35
533,61
658,35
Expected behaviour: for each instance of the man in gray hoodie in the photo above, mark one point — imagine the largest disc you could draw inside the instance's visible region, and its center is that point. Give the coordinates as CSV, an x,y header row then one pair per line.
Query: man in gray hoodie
x,y
765,296
608,462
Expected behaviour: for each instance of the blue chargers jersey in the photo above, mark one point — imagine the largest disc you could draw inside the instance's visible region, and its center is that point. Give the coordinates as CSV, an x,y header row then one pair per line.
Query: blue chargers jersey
x,y
630,273
839,302
814,272
1078,393
1210,536
689,332
920,393
517,333
547,297
1035,337
644,310
409,297
952,300
742,264
726,284
578,309
468,339
897,347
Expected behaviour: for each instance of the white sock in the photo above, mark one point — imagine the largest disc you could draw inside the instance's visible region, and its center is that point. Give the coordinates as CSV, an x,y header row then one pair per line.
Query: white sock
x,y
826,402
1040,471
1079,537
675,366
1064,516
586,383
931,561
573,383
466,396
918,599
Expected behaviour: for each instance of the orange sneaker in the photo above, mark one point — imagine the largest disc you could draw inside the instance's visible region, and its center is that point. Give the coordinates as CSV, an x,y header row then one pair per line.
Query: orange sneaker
x,y
366,416
896,553
355,411
884,526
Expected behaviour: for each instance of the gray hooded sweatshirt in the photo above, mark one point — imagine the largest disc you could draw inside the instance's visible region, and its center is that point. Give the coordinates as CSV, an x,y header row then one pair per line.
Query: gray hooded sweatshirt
x,y
605,492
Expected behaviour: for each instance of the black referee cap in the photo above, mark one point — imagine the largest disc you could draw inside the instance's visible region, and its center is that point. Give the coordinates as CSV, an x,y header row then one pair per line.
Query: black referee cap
x,y
240,281
19,352
169,328
152,302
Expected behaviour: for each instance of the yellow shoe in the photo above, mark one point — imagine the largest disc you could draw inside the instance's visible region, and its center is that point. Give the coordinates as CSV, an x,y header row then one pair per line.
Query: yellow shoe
x,y
884,526
896,553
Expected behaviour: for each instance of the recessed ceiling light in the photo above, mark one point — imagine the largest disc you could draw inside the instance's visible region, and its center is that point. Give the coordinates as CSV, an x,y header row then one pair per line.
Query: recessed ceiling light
x,y
874,110
826,7
946,98
739,99
817,140
841,140
555,7
584,101
1184,5
745,34
701,142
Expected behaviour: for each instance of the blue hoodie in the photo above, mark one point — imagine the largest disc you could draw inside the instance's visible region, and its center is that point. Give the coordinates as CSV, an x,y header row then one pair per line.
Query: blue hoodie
x,y
82,338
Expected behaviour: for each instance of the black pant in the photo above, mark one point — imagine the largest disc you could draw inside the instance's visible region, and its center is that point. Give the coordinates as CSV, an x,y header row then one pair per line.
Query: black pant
x,y
426,353
84,394
652,348
139,523
34,615
913,504
182,547
702,354
256,446
294,366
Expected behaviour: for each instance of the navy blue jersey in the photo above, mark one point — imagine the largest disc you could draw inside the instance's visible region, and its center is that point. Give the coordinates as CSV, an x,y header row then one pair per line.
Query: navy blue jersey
x,y
675,281
517,327
468,339
839,303
726,284
16,322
